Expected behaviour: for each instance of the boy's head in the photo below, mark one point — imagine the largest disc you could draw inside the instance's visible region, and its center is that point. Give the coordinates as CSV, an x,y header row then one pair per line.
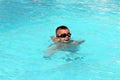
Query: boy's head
x,y
63,33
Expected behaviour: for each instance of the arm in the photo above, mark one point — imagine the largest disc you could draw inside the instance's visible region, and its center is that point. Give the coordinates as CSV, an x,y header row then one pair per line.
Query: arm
x,y
78,42
51,51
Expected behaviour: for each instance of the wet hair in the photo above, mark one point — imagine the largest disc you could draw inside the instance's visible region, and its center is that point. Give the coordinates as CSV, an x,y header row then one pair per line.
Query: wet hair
x,y
61,27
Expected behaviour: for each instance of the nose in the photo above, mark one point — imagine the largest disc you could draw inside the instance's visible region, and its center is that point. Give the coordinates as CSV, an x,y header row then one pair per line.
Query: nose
x,y
67,37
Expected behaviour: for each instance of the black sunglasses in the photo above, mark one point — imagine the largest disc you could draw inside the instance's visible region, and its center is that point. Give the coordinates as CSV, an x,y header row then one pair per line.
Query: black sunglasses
x,y
64,35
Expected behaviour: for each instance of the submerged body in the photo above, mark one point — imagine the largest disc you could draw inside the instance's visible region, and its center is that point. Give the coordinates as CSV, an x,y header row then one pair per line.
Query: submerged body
x,y
70,46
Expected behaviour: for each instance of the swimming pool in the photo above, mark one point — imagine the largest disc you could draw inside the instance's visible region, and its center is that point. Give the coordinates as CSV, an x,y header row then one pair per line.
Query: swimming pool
x,y
26,27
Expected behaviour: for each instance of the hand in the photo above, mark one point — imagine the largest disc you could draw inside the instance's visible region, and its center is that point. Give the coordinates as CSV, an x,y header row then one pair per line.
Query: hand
x,y
55,39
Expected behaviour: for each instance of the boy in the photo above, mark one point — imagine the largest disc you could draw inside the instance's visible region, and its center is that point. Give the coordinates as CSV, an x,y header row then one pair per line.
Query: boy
x,y
63,41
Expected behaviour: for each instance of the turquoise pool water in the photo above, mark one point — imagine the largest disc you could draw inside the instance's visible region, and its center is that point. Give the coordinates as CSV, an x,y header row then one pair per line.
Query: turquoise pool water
x,y
26,27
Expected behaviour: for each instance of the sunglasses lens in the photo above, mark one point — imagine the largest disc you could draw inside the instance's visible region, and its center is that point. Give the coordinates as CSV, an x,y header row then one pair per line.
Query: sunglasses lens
x,y
63,35
69,34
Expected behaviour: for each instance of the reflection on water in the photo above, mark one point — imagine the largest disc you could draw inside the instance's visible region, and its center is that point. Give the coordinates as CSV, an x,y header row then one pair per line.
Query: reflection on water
x,y
30,10
22,48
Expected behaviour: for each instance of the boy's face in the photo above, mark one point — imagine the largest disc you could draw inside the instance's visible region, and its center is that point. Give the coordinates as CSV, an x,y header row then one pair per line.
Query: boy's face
x,y
63,35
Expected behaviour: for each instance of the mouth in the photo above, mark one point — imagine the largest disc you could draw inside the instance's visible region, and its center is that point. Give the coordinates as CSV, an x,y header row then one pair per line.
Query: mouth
x,y
66,40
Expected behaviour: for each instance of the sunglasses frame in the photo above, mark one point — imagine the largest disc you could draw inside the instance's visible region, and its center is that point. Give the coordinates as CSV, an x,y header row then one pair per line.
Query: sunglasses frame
x,y
64,35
